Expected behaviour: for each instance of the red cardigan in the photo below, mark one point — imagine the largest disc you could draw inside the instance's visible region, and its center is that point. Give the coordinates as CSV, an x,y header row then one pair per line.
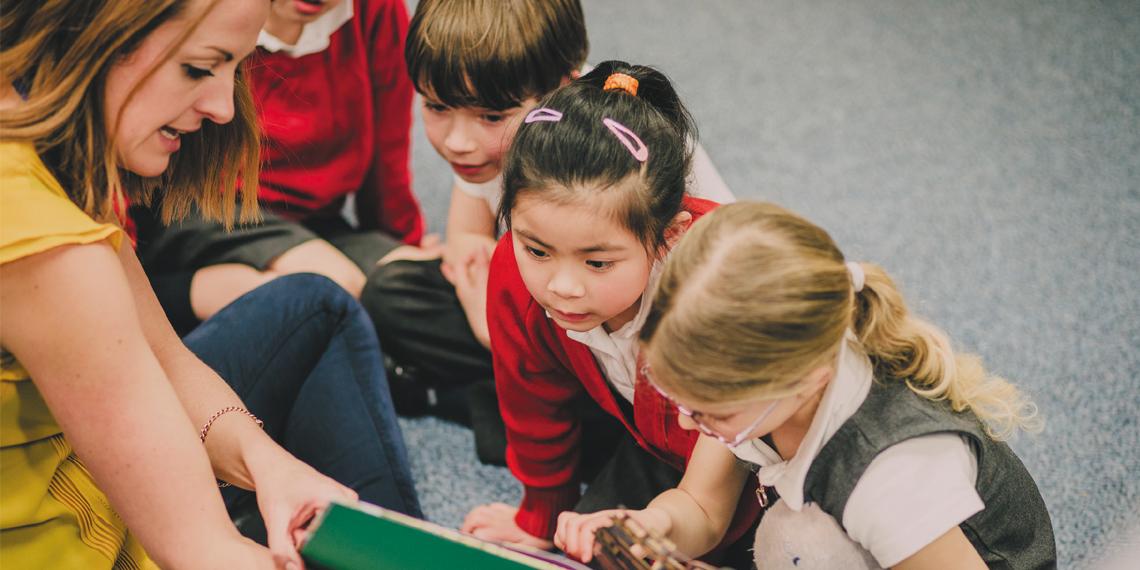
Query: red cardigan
x,y
538,372
339,121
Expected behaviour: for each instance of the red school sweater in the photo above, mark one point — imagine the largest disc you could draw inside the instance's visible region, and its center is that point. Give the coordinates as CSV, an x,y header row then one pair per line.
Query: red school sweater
x,y
339,121
538,373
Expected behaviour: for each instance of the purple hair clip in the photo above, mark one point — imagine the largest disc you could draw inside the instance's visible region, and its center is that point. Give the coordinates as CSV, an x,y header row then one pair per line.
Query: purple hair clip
x,y
628,138
542,114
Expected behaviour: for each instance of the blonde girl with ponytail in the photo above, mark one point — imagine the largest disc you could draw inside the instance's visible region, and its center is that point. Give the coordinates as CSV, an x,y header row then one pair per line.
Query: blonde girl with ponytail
x,y
861,422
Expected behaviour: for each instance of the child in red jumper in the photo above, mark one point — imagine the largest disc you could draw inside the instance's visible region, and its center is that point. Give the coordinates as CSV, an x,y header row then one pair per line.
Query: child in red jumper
x,y
479,67
593,200
334,103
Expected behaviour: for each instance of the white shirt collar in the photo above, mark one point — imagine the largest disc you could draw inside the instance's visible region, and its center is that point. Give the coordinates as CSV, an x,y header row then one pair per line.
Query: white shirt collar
x,y
314,36
842,397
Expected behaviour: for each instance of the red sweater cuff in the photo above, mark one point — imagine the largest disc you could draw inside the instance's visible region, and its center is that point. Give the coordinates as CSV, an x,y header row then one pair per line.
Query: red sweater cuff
x,y
538,513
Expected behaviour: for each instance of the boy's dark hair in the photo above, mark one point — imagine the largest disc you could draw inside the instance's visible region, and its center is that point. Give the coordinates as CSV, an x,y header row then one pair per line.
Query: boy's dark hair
x,y
579,160
494,53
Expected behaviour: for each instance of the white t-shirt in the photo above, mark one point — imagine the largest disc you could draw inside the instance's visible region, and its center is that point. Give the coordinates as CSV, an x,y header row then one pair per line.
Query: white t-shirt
x,y
910,494
703,182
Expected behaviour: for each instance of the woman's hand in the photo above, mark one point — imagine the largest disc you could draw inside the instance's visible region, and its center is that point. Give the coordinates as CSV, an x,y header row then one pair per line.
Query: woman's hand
x,y
289,495
575,534
496,522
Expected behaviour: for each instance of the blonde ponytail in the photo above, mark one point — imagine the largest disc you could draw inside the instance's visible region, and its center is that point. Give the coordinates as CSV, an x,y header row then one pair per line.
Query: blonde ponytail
x,y
755,297
903,346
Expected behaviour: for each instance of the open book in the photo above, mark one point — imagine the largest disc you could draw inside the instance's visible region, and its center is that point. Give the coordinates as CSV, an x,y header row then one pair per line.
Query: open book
x,y
360,536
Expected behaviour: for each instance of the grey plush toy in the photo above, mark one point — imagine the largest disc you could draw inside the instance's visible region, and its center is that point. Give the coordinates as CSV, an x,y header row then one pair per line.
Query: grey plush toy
x,y
808,539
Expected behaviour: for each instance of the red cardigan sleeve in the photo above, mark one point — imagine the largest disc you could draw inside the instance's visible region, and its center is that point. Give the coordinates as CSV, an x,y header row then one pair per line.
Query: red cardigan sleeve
x,y
535,391
385,201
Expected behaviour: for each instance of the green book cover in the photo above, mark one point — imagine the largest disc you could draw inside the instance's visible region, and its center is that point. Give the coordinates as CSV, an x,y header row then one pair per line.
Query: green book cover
x,y
361,536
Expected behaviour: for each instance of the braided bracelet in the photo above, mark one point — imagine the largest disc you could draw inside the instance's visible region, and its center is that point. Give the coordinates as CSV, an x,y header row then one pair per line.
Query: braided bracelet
x,y
206,428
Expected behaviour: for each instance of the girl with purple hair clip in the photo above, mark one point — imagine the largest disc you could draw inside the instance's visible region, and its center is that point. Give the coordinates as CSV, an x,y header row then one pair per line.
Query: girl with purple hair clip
x,y
594,197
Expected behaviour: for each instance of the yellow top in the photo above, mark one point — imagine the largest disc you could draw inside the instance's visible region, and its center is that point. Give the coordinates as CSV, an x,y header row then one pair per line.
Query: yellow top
x,y
52,515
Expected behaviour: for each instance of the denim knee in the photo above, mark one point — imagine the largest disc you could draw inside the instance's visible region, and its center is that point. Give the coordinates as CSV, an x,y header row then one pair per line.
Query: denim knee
x,y
308,289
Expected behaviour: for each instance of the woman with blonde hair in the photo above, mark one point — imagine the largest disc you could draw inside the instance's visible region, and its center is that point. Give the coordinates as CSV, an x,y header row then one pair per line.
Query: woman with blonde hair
x,y
113,434
809,369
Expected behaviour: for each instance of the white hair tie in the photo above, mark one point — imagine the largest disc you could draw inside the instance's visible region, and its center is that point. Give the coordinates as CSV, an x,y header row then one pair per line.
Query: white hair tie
x,y
857,276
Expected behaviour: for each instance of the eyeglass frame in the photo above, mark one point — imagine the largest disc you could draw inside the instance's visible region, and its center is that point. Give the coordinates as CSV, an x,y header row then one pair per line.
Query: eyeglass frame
x,y
740,438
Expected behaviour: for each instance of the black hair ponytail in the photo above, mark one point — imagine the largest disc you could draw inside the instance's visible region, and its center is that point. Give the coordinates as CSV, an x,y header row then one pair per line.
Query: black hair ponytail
x,y
579,159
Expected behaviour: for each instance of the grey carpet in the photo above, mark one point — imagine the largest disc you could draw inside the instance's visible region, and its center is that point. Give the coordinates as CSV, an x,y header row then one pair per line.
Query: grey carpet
x,y
986,153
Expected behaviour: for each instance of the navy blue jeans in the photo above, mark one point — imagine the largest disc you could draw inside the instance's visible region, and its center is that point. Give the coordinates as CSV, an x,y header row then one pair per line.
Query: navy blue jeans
x,y
303,356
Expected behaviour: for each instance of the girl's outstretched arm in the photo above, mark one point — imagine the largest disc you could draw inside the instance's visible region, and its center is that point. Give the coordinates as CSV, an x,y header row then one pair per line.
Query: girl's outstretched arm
x,y
951,551
694,516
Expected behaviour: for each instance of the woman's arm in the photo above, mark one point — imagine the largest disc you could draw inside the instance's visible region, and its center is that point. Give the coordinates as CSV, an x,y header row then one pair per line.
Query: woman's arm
x,y
695,515
199,389
239,451
70,320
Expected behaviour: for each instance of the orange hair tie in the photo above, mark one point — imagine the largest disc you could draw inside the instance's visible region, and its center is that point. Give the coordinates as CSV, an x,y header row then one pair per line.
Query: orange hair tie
x,y
621,81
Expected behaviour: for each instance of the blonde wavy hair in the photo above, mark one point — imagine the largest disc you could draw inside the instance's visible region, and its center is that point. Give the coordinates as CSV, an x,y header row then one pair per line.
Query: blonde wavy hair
x,y
60,51
755,297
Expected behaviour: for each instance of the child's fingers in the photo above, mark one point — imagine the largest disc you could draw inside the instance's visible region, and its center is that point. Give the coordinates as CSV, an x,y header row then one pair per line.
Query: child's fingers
x,y
485,533
472,520
587,535
430,240
560,532
570,534
481,516
483,256
480,266
463,277
448,272
578,532
586,540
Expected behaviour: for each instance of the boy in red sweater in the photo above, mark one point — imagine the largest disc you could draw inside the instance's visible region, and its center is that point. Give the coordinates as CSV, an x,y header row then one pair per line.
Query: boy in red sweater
x,y
594,197
479,67
334,104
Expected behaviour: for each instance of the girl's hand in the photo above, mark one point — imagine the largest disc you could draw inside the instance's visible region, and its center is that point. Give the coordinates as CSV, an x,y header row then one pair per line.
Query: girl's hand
x,y
289,495
496,522
575,534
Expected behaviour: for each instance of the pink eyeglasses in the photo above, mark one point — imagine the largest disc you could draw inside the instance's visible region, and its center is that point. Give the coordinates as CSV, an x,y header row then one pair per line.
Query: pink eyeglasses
x,y
696,416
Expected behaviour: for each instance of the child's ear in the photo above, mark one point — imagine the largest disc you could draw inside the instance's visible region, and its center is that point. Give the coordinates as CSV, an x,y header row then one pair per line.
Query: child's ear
x,y
817,380
568,78
677,228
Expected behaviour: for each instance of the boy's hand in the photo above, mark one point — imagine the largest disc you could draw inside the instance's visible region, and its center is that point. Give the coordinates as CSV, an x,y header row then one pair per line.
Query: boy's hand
x,y
461,247
429,248
470,279
496,522
575,534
